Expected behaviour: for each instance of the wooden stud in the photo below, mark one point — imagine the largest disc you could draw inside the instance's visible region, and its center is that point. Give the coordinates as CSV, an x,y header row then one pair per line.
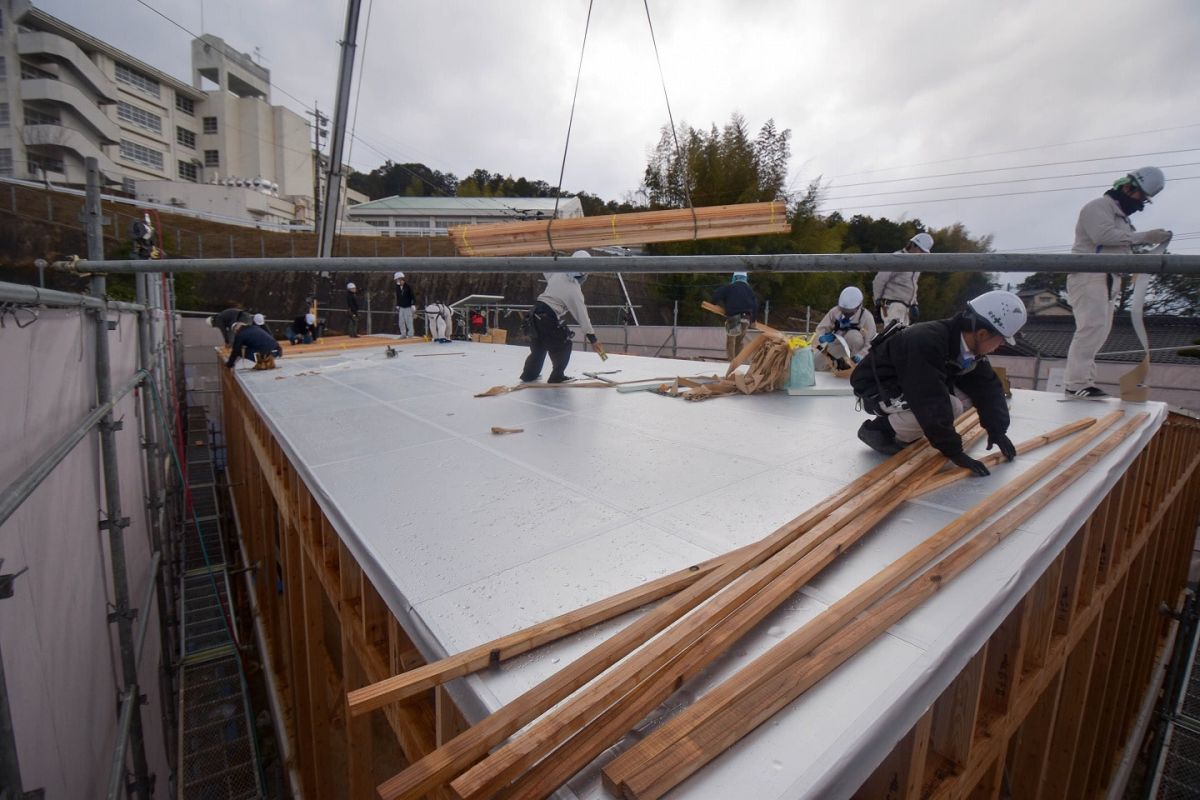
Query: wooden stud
x,y
1027,756
1005,652
1076,677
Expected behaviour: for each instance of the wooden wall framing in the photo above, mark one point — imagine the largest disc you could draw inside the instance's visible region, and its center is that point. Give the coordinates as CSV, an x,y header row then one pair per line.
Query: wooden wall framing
x,y
1046,706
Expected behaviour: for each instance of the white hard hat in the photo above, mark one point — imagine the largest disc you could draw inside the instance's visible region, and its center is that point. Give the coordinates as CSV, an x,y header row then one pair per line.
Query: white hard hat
x,y
850,298
310,319
1149,179
581,254
350,287
923,241
740,276
1000,311
212,321
259,319
398,276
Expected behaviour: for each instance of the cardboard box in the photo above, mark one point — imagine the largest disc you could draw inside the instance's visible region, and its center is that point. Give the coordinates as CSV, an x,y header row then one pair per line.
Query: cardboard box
x,y
494,336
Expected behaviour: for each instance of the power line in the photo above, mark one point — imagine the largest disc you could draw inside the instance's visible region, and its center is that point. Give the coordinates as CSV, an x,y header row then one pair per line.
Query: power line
x,y
998,183
1017,150
1022,166
998,194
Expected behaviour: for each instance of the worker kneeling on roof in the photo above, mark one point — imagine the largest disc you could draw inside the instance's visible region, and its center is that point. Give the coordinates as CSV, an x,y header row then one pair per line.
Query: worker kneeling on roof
x,y
549,334
253,343
917,380
843,334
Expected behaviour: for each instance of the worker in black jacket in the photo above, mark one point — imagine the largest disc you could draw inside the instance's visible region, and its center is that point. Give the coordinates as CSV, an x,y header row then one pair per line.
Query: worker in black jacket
x,y
303,330
352,310
253,343
919,379
405,300
225,321
741,311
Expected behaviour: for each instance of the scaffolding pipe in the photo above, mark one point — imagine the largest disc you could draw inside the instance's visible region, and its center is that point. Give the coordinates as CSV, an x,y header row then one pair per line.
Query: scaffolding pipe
x,y
32,295
19,490
114,521
786,262
117,769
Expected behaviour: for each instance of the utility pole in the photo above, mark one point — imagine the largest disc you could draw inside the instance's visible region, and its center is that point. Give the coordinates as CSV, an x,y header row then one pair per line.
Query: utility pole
x,y
320,131
333,182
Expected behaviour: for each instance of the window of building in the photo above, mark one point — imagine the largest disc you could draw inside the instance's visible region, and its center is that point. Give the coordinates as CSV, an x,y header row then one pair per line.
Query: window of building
x,y
6,162
34,116
189,171
4,114
139,117
412,222
210,124
32,72
138,80
185,137
39,163
212,158
185,104
449,222
140,154
377,223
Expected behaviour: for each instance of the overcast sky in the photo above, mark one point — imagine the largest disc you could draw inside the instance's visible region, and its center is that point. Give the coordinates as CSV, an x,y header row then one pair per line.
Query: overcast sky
x,y
872,92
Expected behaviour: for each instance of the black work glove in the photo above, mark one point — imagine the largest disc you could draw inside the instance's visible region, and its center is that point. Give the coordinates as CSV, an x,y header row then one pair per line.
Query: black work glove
x,y
1007,448
591,337
964,460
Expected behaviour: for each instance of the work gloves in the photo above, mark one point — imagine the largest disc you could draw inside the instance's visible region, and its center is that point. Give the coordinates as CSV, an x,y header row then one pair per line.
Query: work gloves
x,y
591,337
966,462
826,338
1155,236
856,359
1007,448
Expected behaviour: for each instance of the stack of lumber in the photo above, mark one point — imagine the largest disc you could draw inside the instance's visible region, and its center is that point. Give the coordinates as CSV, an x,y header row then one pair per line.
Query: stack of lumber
x,y
644,227
768,360
562,724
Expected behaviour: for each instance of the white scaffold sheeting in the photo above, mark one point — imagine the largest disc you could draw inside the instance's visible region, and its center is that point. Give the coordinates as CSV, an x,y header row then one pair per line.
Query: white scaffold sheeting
x,y
469,536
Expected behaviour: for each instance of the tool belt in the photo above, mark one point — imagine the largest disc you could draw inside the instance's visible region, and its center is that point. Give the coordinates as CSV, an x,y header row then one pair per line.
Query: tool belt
x,y
878,405
737,324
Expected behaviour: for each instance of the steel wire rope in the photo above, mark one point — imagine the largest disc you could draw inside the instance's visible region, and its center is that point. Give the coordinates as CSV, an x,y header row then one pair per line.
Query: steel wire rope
x,y
570,122
687,192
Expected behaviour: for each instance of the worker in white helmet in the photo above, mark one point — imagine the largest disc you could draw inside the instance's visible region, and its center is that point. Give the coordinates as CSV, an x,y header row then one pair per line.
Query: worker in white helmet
x,y
352,310
741,311
1104,227
917,380
896,292
405,301
843,334
547,322
303,330
439,322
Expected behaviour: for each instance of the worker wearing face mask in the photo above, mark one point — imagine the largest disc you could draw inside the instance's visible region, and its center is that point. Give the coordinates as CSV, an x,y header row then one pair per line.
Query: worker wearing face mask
x,y
1104,227
844,333
549,334
919,379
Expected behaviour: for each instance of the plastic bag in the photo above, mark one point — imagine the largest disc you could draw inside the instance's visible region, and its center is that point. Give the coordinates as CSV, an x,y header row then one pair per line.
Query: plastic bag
x,y
801,372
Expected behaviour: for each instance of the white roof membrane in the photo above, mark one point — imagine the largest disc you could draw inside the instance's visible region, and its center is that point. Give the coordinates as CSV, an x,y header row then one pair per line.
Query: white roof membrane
x,y
469,536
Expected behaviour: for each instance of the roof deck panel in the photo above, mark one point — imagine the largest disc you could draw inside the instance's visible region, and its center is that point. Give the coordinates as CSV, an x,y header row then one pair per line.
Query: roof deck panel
x,y
470,536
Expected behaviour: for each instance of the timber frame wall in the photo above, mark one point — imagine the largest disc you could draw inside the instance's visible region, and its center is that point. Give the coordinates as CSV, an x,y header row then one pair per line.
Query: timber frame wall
x,y
1048,704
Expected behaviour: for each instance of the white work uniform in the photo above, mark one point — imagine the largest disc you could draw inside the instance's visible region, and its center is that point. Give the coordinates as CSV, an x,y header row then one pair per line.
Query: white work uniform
x,y
857,340
439,321
404,321
1102,228
894,292
564,294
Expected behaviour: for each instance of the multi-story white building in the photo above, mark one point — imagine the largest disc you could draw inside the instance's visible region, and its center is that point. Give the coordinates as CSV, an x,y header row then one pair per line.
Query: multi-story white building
x,y
430,216
215,144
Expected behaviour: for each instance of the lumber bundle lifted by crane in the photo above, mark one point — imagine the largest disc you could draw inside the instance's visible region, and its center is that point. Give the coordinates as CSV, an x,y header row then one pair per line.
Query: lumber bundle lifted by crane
x,y
642,227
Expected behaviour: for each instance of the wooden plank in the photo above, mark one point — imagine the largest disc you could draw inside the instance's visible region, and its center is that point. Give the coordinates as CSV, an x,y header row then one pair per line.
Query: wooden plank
x,y
316,658
733,720
1042,600
1002,668
359,738
1076,678
1028,754
440,766
955,713
893,778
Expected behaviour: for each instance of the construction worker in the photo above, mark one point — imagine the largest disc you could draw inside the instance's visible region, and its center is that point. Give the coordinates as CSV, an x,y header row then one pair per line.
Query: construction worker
x,y
261,322
141,234
843,334
405,300
917,380
225,321
1104,227
439,322
253,343
352,310
896,292
303,330
549,334
741,311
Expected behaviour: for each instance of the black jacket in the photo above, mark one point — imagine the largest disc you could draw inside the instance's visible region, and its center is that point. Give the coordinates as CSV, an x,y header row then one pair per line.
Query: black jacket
x,y
229,316
405,298
921,364
250,340
300,327
352,302
737,298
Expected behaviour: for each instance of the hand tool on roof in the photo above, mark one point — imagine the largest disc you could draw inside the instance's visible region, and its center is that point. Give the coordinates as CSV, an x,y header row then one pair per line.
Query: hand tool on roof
x,y
596,376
